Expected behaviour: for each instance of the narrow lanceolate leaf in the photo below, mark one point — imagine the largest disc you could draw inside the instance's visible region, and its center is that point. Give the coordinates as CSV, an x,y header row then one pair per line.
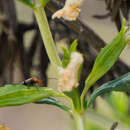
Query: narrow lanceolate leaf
x,y
34,3
73,46
52,101
67,53
13,95
106,58
66,57
120,84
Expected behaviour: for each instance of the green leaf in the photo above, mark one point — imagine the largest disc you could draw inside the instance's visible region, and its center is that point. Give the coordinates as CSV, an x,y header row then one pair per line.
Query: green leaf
x,y
119,101
73,47
75,96
13,95
106,59
120,84
55,102
33,3
67,53
66,57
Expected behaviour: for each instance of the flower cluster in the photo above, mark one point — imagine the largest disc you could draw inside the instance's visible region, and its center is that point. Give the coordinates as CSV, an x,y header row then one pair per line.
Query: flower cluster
x,y
70,11
69,75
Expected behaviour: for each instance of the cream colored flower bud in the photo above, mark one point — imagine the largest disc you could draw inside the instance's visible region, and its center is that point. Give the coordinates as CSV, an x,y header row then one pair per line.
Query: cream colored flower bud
x,y
70,11
69,75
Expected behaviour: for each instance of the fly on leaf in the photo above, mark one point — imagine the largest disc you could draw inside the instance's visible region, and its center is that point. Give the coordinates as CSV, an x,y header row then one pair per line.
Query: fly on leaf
x,y
32,82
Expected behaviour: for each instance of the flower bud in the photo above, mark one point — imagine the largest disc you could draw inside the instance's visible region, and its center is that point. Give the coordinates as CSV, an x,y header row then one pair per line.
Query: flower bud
x,y
69,75
70,11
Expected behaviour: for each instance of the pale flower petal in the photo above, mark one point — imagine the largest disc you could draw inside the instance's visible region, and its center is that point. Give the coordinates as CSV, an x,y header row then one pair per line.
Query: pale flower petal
x,y
69,75
70,11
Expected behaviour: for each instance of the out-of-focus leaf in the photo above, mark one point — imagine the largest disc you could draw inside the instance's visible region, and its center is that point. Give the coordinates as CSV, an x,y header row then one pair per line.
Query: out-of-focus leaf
x,y
120,84
106,58
53,101
33,3
13,95
92,126
119,101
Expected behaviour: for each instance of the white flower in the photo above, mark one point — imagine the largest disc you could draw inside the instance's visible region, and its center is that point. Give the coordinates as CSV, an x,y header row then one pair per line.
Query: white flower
x,y
69,75
70,11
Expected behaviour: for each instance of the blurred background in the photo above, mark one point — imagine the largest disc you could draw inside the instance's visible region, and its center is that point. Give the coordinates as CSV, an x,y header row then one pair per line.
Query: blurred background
x,y
22,55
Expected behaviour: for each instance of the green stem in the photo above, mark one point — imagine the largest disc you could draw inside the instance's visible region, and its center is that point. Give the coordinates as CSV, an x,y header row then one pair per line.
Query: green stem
x,y
87,86
79,121
46,36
